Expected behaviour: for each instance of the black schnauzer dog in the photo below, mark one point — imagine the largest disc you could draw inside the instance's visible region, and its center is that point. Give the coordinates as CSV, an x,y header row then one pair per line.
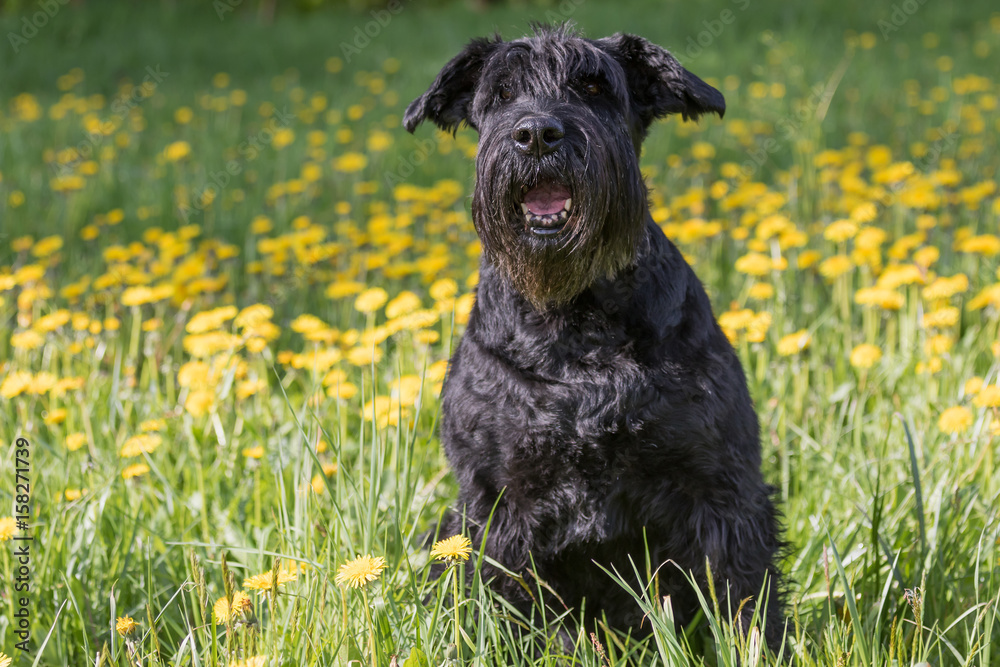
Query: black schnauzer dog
x,y
594,413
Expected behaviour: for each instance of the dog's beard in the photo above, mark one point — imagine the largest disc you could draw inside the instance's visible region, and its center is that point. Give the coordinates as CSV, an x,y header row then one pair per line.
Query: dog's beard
x,y
600,236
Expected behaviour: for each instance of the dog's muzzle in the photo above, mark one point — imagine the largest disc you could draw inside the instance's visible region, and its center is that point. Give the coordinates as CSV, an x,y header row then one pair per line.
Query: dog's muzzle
x,y
546,208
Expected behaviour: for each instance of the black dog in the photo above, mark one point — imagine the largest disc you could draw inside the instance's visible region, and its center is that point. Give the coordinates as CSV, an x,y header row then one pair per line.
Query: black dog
x,y
594,401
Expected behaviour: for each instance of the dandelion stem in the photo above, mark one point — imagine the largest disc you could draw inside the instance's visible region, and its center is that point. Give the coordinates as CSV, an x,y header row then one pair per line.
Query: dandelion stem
x,y
371,626
458,624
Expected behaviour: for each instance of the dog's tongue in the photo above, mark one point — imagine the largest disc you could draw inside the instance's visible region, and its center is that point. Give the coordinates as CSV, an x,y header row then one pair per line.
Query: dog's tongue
x,y
546,199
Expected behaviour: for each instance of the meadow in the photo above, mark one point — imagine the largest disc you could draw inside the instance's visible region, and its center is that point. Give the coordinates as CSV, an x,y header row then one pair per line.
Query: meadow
x,y
230,283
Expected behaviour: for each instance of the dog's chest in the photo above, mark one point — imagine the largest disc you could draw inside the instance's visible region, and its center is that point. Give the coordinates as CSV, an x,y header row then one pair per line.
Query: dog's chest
x,y
571,452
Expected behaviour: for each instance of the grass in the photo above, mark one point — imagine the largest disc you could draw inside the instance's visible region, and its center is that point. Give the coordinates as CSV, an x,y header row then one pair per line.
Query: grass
x,y
291,439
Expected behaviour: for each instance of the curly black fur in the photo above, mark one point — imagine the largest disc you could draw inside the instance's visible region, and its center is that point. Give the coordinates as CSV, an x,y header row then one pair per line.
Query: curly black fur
x,y
593,392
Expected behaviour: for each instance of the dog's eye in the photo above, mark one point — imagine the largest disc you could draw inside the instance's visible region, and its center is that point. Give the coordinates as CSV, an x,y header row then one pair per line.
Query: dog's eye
x,y
506,93
592,88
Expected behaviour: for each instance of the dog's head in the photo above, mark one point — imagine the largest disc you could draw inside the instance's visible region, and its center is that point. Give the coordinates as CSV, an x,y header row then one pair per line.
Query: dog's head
x,y
559,199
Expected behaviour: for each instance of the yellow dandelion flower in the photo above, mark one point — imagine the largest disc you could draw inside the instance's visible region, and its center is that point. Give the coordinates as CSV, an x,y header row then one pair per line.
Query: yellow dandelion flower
x,y
256,452
427,336
463,307
418,319
939,344
137,296
75,441
940,318
350,162
758,326
125,625
178,150
836,266
183,115
840,231
22,243
8,527
135,470
754,264
404,303
988,397
886,299
317,484
137,445
57,416
944,288
282,138
363,356
406,389
26,340
344,288
761,291
254,316
152,425
443,289
865,356
262,582
5,660
16,383
973,385
344,391
955,420
308,324
52,321
248,388
436,371
986,244
221,610
988,296
379,141
199,402
212,342
453,549
370,300
808,258
210,320
43,382
252,661
360,571
794,343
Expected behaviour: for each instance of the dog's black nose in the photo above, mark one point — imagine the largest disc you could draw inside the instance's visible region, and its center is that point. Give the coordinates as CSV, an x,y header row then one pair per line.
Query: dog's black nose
x,y
538,135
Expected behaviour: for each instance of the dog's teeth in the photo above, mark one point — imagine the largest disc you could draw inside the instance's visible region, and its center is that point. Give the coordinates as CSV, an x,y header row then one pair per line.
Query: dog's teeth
x,y
569,202
524,207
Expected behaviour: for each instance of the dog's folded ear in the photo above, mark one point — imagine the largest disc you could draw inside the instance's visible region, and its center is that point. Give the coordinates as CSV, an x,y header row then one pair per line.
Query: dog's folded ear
x,y
446,103
659,85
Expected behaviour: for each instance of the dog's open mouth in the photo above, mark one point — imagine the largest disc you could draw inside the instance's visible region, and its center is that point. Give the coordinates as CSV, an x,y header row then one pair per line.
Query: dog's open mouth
x,y
547,207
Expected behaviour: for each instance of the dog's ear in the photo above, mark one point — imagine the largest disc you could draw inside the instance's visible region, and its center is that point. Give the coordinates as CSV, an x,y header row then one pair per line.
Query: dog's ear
x,y
446,102
657,82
